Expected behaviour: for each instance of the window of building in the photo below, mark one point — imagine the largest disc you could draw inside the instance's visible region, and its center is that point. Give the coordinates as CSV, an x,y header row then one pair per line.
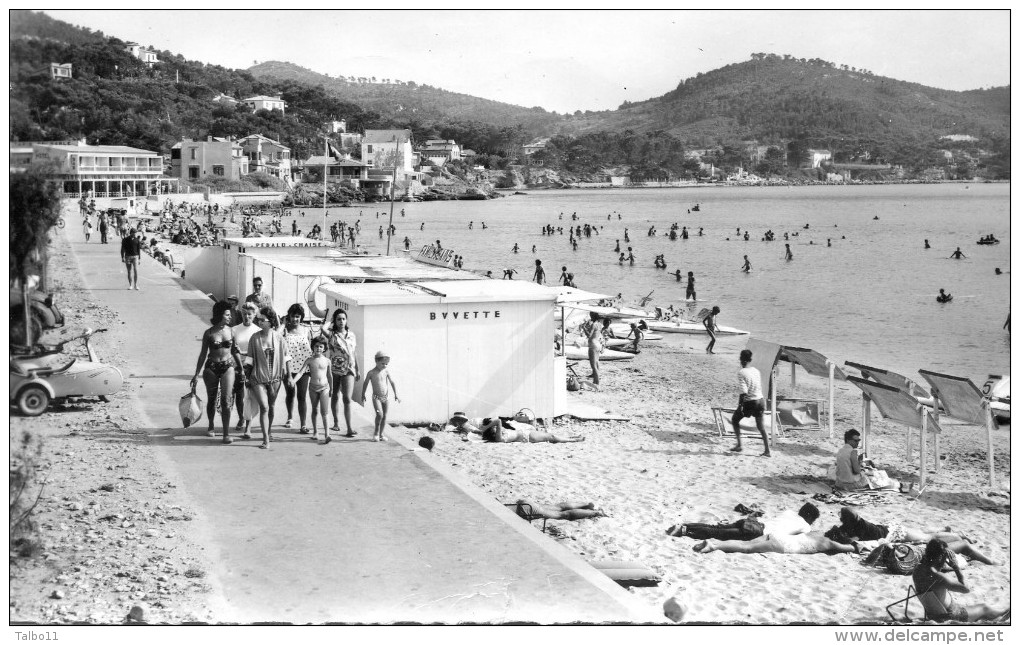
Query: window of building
x,y
175,153
194,151
217,170
193,172
368,148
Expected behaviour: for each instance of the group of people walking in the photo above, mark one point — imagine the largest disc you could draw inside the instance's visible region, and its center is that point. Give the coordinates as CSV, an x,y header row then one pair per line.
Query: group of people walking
x,y
246,356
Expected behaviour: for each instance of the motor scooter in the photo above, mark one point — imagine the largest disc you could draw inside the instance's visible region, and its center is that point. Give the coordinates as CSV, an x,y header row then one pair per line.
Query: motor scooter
x,y
44,375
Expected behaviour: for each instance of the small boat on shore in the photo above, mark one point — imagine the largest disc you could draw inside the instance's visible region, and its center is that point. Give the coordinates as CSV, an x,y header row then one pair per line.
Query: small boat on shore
x,y
692,328
581,354
996,388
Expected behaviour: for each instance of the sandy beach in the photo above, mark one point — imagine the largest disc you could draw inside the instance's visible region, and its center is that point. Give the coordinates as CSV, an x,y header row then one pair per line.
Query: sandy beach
x,y
664,466
667,465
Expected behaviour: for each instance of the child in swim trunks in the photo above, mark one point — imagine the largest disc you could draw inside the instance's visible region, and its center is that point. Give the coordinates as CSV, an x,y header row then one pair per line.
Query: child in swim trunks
x,y
379,379
320,383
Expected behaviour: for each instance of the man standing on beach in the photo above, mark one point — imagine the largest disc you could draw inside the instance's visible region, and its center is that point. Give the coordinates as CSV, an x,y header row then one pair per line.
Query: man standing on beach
x,y
711,328
751,403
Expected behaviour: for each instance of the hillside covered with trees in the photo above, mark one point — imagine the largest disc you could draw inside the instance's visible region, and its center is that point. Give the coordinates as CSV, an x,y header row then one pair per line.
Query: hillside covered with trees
x,y
779,103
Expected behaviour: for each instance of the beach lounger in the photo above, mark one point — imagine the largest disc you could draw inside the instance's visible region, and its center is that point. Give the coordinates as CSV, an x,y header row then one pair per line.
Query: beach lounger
x,y
722,418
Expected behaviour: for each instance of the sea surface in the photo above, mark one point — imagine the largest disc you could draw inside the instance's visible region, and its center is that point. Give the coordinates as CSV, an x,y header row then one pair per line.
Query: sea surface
x,y
868,298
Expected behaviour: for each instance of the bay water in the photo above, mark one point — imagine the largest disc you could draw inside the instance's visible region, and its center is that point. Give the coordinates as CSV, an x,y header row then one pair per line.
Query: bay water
x,y
868,298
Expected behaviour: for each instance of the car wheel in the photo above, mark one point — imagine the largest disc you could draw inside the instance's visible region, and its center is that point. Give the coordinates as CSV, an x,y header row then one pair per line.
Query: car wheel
x,y
33,400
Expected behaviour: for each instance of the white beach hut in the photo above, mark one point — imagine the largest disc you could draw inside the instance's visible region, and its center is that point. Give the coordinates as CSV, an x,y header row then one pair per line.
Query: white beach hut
x,y
483,347
292,268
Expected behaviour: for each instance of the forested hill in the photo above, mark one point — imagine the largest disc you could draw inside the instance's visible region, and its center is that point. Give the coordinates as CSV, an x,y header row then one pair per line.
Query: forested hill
x,y
772,97
780,102
407,100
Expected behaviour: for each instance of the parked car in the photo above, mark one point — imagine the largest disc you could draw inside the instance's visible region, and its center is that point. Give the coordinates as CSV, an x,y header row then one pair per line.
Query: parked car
x,y
44,314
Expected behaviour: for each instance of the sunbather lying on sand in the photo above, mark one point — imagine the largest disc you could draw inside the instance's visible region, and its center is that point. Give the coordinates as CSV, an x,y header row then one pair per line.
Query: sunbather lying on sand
x,y
854,527
805,543
749,528
524,434
561,511
478,425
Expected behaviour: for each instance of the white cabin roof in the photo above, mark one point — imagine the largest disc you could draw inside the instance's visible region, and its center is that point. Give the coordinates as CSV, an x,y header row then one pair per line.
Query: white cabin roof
x,y
433,292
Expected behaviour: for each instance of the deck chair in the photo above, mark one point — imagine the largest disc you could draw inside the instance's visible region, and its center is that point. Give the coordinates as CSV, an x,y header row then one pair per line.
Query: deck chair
x,y
528,513
906,618
722,417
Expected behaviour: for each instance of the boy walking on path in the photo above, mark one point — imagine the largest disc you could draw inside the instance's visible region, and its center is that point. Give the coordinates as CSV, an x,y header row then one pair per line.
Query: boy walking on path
x,y
379,379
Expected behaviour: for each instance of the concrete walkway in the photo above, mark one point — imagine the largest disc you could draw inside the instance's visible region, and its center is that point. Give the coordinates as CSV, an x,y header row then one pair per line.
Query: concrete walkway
x,y
353,531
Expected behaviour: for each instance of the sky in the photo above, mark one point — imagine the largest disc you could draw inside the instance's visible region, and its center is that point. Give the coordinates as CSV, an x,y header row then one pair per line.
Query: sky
x,y
567,60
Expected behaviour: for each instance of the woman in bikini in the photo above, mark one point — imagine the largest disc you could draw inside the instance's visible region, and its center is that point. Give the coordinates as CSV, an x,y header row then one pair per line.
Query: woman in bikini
x,y
297,336
216,363
344,365
270,366
933,588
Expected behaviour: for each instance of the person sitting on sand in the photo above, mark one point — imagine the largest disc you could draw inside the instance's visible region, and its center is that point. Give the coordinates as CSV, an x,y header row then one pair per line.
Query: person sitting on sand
x,y
805,544
749,528
560,511
854,527
933,588
851,470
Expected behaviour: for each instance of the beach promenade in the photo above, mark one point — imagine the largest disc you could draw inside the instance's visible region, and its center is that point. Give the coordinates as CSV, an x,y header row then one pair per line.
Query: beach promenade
x,y
351,532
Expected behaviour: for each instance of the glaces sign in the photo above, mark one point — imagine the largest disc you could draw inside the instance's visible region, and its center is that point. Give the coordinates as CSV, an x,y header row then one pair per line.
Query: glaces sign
x,y
432,254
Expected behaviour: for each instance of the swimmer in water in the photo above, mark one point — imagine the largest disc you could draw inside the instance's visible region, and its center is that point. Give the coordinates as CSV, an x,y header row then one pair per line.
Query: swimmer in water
x,y
679,275
957,254
829,242
747,265
691,294
516,248
789,253
926,245
943,296
617,249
